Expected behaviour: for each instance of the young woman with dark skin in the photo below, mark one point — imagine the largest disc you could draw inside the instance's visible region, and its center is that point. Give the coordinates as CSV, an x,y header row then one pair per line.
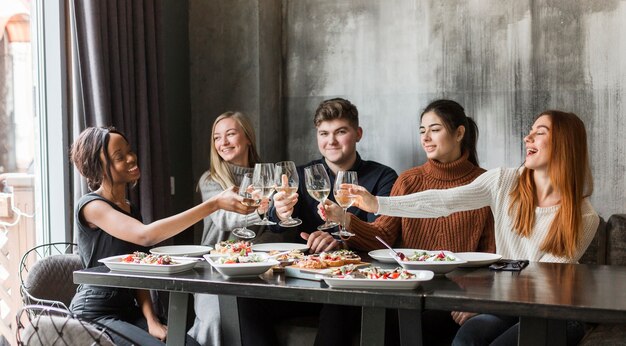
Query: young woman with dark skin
x,y
109,225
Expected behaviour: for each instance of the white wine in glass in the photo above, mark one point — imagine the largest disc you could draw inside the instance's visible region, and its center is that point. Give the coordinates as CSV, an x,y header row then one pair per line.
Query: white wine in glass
x,y
287,181
251,200
344,198
318,186
263,182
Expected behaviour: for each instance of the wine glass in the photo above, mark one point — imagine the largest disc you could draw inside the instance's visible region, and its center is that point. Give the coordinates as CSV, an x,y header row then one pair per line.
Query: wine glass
x,y
288,185
251,199
263,182
318,186
344,199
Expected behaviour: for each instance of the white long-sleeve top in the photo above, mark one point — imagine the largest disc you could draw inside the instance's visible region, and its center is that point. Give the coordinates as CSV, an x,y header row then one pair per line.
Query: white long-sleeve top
x,y
492,189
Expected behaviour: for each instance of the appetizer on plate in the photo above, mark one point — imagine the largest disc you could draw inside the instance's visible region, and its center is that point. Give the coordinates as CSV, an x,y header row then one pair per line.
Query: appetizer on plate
x,y
329,259
144,258
348,256
332,259
312,262
289,256
377,273
419,256
232,247
242,257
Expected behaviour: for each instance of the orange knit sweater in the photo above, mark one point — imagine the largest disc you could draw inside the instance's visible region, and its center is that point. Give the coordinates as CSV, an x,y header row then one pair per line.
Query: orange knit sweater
x,y
459,232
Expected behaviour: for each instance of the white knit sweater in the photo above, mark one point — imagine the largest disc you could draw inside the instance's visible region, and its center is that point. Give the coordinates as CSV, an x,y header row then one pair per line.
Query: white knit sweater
x,y
492,189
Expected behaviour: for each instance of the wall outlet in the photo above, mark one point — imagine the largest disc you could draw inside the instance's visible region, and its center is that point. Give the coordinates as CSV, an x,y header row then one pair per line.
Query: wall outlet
x,y
5,205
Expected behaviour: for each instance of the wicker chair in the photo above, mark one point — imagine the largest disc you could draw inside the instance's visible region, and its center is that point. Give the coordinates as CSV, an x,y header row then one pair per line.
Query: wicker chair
x,y
49,280
44,325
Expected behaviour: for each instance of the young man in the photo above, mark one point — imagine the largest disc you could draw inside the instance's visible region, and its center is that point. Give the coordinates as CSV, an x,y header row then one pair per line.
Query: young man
x,y
338,131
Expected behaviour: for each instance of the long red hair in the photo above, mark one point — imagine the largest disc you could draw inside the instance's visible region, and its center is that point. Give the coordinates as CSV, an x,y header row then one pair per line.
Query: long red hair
x,y
570,175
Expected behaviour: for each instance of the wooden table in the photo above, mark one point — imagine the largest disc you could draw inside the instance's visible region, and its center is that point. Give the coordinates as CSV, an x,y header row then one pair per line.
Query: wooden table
x,y
203,279
544,295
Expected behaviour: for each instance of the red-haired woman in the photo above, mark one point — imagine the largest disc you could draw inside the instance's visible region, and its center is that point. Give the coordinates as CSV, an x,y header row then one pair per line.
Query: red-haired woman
x,y
542,212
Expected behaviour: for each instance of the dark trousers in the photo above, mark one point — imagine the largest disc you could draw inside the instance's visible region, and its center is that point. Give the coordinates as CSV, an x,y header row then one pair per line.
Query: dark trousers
x,y
116,309
338,322
485,329
257,318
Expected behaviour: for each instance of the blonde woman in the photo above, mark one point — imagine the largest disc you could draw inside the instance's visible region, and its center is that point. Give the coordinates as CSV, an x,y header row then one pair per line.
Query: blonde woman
x,y
233,154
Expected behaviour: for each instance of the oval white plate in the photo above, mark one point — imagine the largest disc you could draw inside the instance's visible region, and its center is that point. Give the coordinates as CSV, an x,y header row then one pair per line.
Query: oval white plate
x,y
267,247
182,250
241,269
437,267
115,263
478,259
385,255
381,284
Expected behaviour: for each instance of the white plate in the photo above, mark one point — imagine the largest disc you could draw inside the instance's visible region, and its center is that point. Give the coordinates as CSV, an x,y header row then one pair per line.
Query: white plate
x,y
182,250
408,284
478,259
385,255
437,267
115,263
241,269
267,247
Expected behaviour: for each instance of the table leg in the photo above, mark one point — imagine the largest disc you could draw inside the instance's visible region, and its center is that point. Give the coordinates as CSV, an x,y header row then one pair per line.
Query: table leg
x,y
540,331
372,326
229,314
177,318
410,322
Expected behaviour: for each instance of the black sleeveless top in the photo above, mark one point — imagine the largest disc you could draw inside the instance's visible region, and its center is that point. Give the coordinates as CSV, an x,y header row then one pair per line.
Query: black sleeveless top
x,y
94,243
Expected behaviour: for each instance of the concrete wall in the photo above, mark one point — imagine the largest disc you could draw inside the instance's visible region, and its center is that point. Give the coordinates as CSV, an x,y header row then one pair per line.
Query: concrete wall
x,y
235,64
505,61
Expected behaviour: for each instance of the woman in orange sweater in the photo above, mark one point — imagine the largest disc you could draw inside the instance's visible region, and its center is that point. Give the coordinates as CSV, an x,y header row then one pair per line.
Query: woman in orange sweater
x,y
448,136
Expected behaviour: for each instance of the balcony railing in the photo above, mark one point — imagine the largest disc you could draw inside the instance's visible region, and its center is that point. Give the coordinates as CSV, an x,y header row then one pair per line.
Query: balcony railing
x,y
17,234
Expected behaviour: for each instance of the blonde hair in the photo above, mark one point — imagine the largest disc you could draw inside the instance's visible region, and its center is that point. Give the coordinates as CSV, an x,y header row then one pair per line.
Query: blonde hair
x,y
570,174
218,168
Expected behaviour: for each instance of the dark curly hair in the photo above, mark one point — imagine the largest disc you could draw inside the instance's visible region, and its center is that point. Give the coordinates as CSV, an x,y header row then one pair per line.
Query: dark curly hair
x,y
85,154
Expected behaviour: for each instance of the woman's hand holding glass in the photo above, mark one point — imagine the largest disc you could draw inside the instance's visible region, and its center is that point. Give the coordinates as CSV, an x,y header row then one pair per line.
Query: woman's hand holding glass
x,y
250,198
231,201
362,198
332,212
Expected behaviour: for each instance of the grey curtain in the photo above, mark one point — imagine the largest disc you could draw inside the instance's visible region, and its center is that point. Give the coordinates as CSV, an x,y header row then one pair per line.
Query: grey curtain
x,y
116,80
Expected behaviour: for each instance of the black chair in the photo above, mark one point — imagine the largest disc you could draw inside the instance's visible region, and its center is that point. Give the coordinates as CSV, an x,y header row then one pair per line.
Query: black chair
x,y
46,275
48,326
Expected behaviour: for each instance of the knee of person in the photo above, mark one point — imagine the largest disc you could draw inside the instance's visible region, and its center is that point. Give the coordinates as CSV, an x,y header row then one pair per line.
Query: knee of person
x,y
471,333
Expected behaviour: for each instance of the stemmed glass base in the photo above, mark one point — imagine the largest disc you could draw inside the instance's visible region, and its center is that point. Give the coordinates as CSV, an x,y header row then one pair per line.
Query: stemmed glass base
x,y
327,225
265,222
244,233
343,234
290,222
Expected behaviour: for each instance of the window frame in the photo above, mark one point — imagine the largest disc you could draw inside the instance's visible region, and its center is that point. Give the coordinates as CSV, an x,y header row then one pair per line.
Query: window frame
x,y
50,93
